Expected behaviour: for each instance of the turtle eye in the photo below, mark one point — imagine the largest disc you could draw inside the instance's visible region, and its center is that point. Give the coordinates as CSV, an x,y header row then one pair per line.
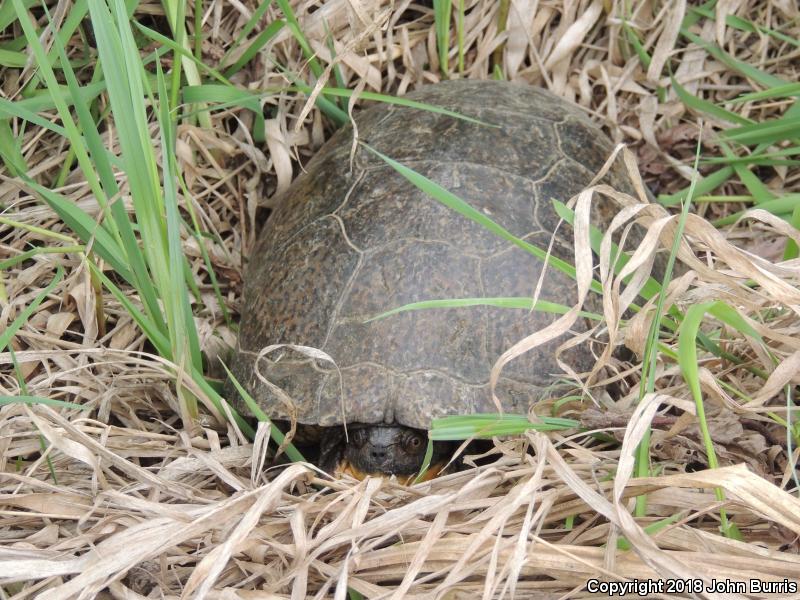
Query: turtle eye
x,y
359,438
413,442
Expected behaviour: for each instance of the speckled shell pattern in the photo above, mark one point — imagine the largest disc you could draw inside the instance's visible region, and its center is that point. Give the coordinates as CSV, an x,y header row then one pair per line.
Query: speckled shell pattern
x,y
345,245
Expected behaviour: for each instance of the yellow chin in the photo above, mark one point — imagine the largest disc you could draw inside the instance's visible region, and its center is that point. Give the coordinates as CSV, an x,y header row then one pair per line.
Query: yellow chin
x,y
345,468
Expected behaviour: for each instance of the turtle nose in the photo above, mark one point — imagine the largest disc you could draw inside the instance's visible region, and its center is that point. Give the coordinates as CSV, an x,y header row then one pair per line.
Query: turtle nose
x,y
378,454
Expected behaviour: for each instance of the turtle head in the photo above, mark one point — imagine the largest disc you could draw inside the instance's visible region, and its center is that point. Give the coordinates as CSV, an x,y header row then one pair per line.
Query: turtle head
x,y
385,450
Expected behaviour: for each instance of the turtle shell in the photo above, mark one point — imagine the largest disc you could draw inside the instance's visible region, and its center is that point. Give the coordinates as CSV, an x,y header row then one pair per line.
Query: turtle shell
x,y
345,245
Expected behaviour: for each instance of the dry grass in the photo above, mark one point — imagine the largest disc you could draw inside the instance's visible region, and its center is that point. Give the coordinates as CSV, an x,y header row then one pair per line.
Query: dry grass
x,y
126,500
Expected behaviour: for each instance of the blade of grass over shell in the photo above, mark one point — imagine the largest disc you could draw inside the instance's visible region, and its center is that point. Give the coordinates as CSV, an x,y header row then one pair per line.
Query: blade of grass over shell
x,y
275,433
462,427
526,303
400,101
437,192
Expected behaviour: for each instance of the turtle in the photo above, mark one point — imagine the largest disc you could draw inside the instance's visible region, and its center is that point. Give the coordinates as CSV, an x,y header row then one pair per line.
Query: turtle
x,y
352,238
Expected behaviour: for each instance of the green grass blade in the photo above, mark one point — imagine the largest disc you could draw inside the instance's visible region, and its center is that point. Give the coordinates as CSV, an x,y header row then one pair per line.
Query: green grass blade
x,y
744,25
174,10
652,345
97,152
8,12
633,40
442,9
767,132
275,433
782,91
759,191
10,150
27,108
255,46
251,24
11,59
779,206
11,110
687,360
709,108
70,128
462,427
23,317
298,34
705,185
182,329
123,72
28,254
31,400
179,49
85,227
761,77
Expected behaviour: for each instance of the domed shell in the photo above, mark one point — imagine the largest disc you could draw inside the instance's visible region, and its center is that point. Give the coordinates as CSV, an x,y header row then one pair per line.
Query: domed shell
x,y
344,246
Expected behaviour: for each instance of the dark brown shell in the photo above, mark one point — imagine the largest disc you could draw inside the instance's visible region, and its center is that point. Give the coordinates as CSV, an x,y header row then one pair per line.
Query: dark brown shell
x,y
343,247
